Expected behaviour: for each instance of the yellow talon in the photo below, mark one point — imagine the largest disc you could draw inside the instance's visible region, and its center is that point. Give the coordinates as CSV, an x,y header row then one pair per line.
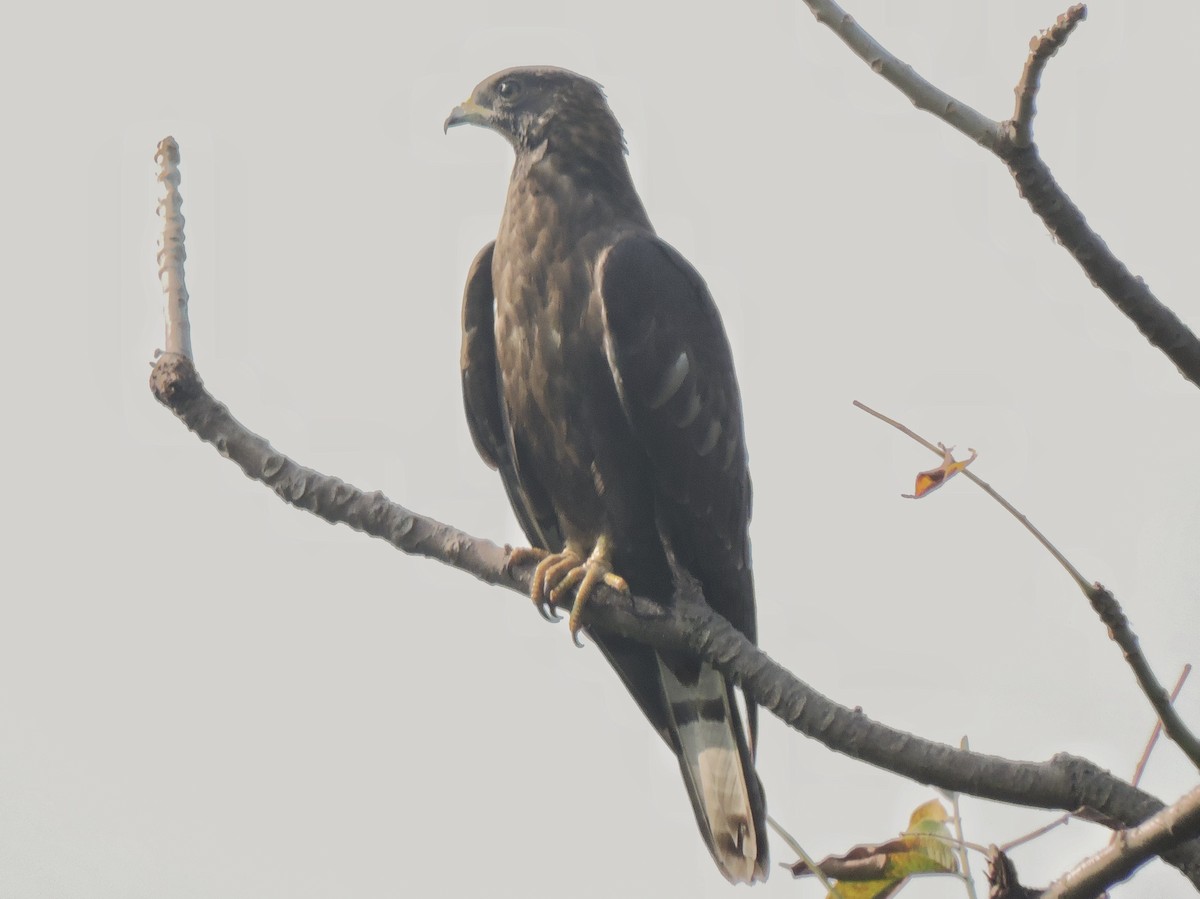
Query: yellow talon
x,y
567,582
557,574
522,554
593,576
548,573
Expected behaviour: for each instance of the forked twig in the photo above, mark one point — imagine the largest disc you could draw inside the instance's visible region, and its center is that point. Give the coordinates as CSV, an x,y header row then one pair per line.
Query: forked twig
x,y
1012,142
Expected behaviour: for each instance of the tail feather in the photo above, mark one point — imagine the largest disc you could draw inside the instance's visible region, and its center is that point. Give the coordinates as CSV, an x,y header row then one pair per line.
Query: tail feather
x,y
718,768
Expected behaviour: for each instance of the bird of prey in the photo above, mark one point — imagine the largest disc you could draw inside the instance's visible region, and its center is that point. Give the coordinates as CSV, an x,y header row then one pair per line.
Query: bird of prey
x,y
598,379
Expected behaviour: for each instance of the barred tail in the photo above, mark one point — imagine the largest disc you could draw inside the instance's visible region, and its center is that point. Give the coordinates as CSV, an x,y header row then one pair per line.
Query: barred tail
x,y
718,768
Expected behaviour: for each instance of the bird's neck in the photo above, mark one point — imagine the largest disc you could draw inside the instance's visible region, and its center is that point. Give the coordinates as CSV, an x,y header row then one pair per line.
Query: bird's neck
x,y
594,172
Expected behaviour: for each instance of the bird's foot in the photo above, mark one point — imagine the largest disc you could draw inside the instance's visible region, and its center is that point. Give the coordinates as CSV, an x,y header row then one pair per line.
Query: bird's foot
x,y
557,574
582,576
522,555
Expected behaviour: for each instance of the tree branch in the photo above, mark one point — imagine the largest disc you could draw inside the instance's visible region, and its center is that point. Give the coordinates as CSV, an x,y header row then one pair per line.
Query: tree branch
x,y
1128,292
1130,850
1041,48
171,251
1012,142
1122,633
1102,600
923,94
1154,734
1063,782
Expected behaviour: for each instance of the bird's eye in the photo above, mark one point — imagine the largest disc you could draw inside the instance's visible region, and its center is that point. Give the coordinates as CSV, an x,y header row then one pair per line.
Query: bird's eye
x,y
508,89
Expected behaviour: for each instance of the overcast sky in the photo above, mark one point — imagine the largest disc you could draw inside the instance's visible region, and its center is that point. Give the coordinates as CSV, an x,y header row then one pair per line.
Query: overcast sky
x,y
205,693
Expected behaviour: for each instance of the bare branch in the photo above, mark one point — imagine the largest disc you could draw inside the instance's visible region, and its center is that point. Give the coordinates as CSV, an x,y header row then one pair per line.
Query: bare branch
x,y
1157,731
1130,850
813,866
171,252
1102,600
1049,201
176,384
1063,782
1060,821
1128,292
987,488
923,94
1162,327
1121,631
1041,48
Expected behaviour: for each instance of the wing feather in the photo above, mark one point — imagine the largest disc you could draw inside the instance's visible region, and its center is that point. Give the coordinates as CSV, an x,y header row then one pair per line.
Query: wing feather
x,y
673,368
674,372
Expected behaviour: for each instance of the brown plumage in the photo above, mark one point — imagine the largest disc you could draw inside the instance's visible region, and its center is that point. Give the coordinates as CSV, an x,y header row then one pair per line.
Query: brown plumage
x,y
598,379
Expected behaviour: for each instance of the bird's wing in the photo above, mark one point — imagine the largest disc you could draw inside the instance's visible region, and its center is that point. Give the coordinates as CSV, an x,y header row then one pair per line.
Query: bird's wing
x,y
493,438
672,365
485,409
674,372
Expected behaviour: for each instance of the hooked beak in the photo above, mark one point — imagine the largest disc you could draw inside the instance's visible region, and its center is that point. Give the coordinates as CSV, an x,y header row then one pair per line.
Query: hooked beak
x,y
467,113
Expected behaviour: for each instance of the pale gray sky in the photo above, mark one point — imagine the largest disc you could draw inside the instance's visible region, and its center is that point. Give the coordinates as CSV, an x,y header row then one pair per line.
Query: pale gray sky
x,y
205,693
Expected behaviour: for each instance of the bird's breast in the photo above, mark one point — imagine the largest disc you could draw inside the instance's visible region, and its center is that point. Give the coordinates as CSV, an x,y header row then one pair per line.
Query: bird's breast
x,y
560,398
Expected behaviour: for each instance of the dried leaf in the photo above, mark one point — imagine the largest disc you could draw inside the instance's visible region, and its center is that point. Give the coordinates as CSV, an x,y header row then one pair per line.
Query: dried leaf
x,y
929,481
878,871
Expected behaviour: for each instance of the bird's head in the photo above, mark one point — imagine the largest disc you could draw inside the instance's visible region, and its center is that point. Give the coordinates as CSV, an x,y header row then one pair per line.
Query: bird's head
x,y
536,104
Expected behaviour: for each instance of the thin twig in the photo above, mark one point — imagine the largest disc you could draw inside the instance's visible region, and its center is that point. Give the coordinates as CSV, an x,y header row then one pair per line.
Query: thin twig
x,y
983,485
795,846
1103,602
964,860
1041,48
1154,734
948,839
1063,782
923,94
1137,775
1034,834
1131,849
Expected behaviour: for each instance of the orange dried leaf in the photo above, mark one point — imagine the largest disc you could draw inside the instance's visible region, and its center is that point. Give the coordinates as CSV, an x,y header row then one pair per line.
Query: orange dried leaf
x,y
929,481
